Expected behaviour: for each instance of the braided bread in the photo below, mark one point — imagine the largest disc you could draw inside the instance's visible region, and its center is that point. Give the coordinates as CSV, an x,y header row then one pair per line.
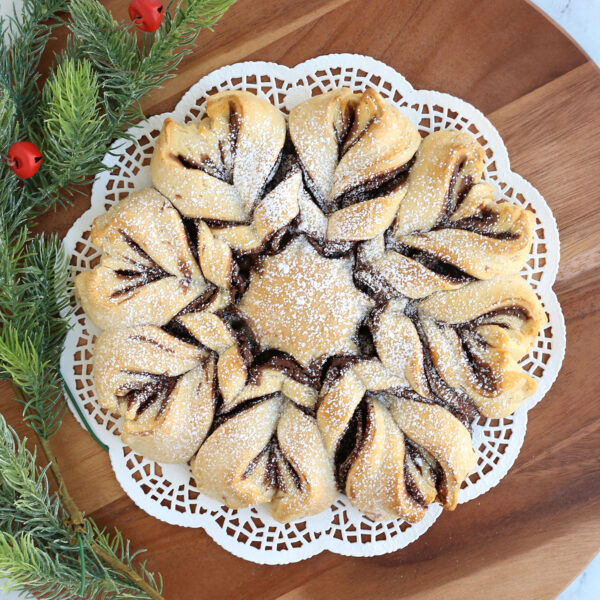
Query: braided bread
x,y
322,306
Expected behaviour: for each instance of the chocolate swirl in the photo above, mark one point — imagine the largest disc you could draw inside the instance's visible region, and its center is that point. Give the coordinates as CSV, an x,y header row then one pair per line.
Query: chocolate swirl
x,y
327,304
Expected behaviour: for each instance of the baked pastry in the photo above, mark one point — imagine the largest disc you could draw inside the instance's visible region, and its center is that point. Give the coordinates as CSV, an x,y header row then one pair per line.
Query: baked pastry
x,y
147,272
323,306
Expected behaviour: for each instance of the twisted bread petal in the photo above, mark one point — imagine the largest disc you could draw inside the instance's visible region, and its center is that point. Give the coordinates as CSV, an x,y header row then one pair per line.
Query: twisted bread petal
x,y
308,486
317,127
390,274
231,466
399,347
477,334
390,469
365,220
447,232
376,482
113,300
146,260
260,137
379,144
271,464
448,163
216,257
272,215
498,236
444,437
162,386
218,168
182,169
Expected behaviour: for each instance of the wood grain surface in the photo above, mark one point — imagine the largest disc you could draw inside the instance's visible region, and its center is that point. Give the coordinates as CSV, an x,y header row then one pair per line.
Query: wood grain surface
x,y
531,535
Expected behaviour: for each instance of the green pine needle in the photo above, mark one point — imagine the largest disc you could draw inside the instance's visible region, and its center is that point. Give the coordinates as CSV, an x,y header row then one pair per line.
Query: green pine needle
x,y
38,552
73,125
34,289
90,97
23,39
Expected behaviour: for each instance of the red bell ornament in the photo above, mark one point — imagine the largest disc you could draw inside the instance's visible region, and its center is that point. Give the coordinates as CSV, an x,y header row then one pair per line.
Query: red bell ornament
x,y
146,14
24,158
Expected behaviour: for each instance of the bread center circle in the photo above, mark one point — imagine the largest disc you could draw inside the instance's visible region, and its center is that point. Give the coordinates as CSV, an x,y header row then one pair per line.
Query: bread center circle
x,y
304,304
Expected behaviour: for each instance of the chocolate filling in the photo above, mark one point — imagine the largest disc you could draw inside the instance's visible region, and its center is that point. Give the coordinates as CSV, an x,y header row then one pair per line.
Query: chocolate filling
x,y
191,232
343,128
331,368
350,131
204,163
433,263
200,303
512,311
364,338
235,123
472,344
417,455
331,249
382,184
180,331
147,340
241,331
279,361
352,440
147,393
144,272
481,223
286,165
275,462
368,280
453,400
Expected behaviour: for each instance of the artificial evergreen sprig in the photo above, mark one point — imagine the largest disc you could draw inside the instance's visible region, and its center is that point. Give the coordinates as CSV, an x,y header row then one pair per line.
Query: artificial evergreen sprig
x,y
37,549
90,97
27,35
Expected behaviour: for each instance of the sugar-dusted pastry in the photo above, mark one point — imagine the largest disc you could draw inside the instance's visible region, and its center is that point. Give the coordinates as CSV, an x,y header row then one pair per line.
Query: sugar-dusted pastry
x,y
147,272
218,168
476,337
265,446
313,308
354,151
394,451
449,229
162,386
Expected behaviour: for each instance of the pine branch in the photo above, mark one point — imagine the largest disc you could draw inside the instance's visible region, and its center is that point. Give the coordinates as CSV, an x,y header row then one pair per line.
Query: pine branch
x,y
34,289
47,545
23,39
126,72
39,552
73,127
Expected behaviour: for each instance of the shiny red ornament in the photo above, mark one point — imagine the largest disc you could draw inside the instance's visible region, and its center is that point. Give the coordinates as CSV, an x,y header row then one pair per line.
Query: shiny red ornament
x,y
24,158
146,14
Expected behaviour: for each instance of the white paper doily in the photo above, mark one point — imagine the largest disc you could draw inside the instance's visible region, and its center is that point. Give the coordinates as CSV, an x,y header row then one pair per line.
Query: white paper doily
x,y
166,491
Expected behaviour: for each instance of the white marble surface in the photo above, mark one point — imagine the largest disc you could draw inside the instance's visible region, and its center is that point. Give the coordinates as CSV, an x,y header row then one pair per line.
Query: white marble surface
x,y
581,20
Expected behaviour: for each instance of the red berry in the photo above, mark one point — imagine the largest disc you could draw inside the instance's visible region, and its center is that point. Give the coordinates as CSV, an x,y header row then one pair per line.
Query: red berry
x,y
24,158
146,14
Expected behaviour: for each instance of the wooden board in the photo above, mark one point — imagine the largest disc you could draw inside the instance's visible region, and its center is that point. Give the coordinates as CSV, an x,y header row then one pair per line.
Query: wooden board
x,y
531,535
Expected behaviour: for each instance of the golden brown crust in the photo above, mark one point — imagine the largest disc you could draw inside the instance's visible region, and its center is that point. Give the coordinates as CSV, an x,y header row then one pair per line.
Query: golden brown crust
x,y
147,272
218,168
477,335
162,387
390,421
334,310
348,144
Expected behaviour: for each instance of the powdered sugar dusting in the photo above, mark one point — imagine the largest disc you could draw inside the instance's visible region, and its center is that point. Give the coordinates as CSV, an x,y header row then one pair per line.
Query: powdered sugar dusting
x,y
304,304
